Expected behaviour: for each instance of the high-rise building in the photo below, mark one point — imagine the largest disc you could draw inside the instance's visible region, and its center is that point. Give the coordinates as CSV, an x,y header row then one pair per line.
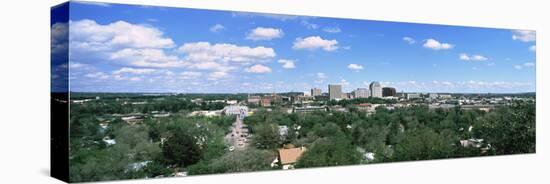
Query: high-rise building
x,y
375,89
334,91
388,91
361,93
315,92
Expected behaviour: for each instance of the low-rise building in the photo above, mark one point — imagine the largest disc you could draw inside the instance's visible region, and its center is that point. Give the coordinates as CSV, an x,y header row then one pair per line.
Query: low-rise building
x,y
206,113
254,100
410,96
445,96
302,99
288,157
307,109
241,111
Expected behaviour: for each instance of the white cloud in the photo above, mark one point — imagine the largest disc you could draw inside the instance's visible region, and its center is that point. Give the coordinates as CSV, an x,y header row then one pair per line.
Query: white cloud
x,y
210,65
332,29
436,45
97,75
533,48
217,28
460,86
223,52
122,43
134,71
147,58
355,67
59,38
76,66
524,35
134,79
315,42
263,33
475,57
409,40
266,15
190,75
87,34
287,64
258,68
518,67
217,75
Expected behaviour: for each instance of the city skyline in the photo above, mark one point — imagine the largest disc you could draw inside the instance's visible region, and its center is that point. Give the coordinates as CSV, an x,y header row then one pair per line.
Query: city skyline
x,y
204,51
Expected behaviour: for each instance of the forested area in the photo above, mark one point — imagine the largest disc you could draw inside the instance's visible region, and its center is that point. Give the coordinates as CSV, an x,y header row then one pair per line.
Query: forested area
x,y
403,134
160,147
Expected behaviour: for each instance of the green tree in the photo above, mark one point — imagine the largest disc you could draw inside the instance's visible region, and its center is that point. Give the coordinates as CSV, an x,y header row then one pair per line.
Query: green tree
x,y
509,130
423,144
329,151
181,149
266,136
237,161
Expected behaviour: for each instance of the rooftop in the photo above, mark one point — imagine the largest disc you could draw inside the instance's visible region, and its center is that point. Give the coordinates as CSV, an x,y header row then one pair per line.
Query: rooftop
x,y
290,156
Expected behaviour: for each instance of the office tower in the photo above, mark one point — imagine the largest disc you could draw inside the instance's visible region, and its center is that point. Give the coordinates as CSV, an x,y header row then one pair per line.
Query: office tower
x,y
361,93
375,89
334,91
389,91
315,92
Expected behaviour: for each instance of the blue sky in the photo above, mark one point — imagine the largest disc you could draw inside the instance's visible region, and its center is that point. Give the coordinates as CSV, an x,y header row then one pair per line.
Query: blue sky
x,y
156,49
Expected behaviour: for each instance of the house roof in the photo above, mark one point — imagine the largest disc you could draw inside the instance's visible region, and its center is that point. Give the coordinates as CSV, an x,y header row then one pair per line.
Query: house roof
x,y
290,156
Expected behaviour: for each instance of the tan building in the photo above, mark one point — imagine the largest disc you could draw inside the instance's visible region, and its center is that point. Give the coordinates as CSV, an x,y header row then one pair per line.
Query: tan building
x,y
315,92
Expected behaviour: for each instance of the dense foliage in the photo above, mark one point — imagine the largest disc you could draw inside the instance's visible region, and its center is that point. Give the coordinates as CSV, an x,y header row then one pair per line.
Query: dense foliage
x,y
162,146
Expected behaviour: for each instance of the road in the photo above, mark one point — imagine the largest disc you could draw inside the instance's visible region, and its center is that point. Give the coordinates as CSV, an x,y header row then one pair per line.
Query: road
x,y
238,138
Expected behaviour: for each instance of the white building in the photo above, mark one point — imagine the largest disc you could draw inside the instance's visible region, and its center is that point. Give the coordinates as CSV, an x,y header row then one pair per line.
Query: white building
x,y
361,93
413,95
375,89
445,96
242,111
433,95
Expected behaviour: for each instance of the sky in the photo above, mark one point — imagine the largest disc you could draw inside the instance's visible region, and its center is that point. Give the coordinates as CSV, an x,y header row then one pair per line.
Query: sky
x,y
128,48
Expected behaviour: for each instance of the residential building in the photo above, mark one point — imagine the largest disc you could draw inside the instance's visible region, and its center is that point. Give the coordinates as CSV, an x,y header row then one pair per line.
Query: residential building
x,y
288,157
